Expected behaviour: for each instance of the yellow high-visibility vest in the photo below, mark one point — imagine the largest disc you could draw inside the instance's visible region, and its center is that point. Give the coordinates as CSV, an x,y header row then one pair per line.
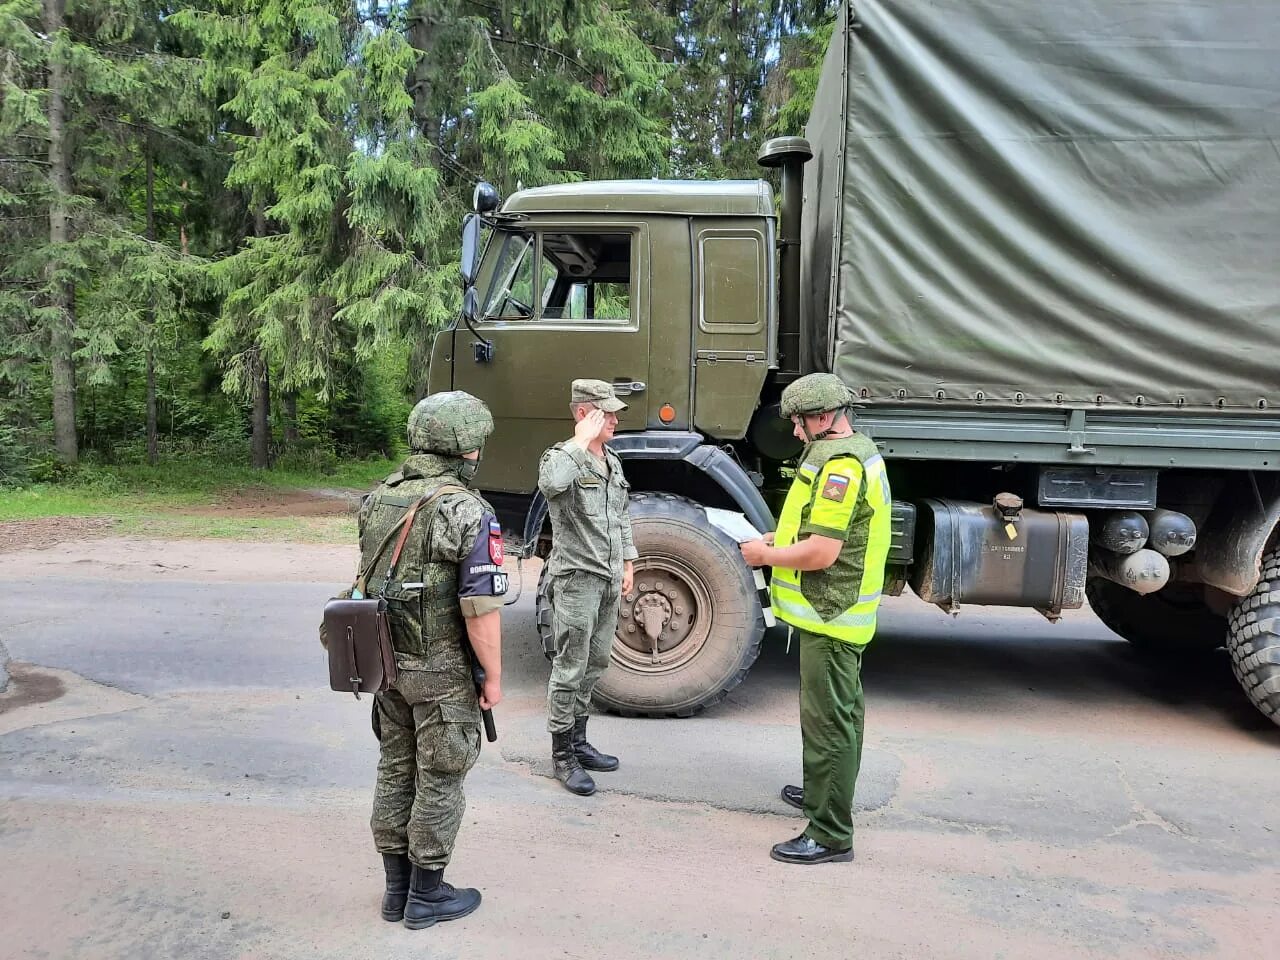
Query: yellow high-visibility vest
x,y
840,491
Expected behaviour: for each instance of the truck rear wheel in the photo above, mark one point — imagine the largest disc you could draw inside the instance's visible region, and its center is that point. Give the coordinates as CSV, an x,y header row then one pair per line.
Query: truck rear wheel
x,y
1253,640
692,578
1173,620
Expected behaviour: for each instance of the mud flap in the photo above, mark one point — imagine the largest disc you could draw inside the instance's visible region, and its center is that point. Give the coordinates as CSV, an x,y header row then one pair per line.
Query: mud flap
x,y
1231,543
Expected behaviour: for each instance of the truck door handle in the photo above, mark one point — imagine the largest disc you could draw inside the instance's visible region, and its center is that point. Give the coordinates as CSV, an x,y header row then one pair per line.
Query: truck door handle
x,y
624,387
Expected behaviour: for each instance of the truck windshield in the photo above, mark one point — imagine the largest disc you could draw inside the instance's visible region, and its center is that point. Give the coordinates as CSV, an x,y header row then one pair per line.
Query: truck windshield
x,y
511,287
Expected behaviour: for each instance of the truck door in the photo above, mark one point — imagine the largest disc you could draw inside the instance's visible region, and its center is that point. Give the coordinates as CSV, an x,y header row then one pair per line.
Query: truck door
x,y
734,322
558,302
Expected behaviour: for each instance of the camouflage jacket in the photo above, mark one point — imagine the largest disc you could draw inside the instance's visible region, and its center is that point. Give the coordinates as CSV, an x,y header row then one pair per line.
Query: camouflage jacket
x,y
450,568
588,505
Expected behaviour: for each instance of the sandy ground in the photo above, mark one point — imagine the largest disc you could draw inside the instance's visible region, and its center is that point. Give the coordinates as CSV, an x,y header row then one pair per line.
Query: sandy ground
x,y
38,534
47,531
206,561
176,781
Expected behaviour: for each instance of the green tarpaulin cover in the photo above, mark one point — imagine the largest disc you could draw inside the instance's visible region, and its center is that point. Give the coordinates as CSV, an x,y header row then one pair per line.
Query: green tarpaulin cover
x,y
1063,200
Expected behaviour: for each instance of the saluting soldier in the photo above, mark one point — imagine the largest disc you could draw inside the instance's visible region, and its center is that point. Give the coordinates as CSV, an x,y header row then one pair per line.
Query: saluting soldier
x,y
828,557
447,591
591,566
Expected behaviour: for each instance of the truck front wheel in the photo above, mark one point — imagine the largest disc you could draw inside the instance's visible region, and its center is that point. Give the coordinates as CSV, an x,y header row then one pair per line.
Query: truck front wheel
x,y
1253,640
691,627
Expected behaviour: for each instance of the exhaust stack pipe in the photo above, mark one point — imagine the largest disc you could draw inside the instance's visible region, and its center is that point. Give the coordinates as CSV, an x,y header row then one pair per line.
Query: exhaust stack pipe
x,y
791,154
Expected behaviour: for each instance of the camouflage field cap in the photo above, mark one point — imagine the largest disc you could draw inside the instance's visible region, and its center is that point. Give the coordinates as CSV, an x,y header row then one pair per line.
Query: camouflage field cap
x,y
815,393
597,392
452,423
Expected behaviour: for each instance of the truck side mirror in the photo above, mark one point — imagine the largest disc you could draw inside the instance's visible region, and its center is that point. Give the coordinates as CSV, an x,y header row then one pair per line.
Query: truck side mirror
x,y
470,249
470,304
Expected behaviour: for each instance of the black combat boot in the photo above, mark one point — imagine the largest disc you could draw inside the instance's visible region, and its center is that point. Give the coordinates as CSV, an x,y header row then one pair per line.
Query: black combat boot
x,y
794,796
589,756
432,900
568,770
397,867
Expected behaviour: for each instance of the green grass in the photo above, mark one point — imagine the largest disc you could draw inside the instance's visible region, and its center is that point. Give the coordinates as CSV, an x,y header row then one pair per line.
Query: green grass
x,y
134,491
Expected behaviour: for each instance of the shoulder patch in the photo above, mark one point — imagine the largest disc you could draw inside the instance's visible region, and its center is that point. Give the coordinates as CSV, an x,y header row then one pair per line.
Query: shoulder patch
x,y
836,487
495,542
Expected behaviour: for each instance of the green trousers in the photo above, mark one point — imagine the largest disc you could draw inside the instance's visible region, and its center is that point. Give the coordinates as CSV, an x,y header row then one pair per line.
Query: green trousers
x,y
426,748
584,619
831,713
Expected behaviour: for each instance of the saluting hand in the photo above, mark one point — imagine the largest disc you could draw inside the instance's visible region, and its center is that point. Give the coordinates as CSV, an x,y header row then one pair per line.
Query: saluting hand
x,y
589,428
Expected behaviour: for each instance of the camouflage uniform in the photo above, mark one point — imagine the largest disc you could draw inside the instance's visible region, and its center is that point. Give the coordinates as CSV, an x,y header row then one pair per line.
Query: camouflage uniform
x,y
592,538
429,722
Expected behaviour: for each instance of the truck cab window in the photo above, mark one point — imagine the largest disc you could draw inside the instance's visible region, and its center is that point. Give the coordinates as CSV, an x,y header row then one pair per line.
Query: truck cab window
x,y
586,276
581,276
511,286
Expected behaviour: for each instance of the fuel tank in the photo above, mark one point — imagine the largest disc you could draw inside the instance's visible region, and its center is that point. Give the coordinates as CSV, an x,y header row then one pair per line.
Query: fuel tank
x,y
1000,554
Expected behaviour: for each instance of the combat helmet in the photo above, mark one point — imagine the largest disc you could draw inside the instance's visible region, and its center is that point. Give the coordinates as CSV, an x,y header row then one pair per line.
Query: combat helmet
x,y
815,393
451,423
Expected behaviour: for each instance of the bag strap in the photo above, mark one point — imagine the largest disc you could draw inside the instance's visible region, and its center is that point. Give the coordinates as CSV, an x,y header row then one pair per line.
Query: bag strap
x,y
403,525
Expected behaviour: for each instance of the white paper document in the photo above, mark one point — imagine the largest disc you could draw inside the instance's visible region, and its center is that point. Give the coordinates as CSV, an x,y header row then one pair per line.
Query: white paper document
x,y
734,524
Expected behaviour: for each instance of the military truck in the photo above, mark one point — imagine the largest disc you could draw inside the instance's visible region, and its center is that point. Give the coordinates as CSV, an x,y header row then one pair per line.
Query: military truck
x,y
1039,241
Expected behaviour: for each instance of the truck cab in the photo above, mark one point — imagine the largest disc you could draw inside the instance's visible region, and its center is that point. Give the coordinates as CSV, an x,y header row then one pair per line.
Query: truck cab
x,y
661,288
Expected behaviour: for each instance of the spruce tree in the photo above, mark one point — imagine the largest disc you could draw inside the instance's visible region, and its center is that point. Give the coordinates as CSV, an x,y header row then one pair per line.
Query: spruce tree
x,y
85,82
320,117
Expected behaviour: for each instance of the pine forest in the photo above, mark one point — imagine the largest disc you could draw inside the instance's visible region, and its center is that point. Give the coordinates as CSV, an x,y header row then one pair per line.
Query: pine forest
x,y
230,228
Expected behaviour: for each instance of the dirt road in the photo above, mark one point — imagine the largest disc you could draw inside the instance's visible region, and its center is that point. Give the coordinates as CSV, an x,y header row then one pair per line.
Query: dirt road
x,y
177,782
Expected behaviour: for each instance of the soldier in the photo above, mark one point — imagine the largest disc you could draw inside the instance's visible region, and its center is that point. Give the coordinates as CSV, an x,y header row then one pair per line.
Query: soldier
x,y
590,566
447,591
828,556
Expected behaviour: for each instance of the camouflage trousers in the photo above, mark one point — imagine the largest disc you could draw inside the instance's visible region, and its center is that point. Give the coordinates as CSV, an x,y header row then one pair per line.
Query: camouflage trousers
x,y
584,616
427,746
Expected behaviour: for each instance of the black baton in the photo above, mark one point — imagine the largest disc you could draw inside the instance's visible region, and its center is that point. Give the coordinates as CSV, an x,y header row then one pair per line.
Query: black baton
x,y
477,674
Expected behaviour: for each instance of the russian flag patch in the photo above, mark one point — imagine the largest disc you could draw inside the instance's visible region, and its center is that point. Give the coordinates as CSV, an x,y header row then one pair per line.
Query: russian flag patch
x,y
495,541
836,488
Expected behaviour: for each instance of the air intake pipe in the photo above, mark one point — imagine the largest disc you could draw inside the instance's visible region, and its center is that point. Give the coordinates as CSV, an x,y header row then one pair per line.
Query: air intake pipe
x,y
791,154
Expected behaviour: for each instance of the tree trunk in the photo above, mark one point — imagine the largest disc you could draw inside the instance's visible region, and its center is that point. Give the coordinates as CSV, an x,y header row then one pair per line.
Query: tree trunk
x,y
182,227
62,293
260,445
290,418
731,114
419,37
261,438
153,445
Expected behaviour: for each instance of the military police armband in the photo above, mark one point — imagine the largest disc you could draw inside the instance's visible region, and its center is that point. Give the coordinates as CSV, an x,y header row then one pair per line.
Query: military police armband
x,y
480,572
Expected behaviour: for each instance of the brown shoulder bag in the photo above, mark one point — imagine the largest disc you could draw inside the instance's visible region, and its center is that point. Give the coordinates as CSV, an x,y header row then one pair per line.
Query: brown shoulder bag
x,y
357,632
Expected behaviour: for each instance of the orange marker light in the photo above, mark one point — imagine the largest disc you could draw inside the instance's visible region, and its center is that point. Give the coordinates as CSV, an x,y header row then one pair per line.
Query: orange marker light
x,y
666,413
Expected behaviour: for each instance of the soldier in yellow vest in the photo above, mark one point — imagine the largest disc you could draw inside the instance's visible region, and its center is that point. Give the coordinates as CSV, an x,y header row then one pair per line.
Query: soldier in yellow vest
x,y
828,556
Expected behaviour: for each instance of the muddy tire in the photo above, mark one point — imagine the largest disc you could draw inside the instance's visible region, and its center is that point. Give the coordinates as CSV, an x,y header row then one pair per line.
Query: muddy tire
x,y
1174,620
691,576
1253,640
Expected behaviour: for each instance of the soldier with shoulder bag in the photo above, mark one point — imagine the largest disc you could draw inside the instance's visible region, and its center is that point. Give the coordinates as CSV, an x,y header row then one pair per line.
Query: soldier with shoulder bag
x,y
443,589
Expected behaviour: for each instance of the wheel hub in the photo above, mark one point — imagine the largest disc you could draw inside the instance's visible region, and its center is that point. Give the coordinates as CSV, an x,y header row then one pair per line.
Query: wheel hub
x,y
664,620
